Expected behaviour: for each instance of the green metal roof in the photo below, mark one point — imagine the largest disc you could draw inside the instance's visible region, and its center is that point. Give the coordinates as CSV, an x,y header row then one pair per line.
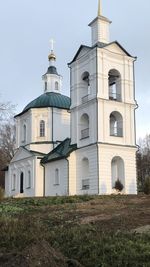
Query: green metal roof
x,y
49,99
63,150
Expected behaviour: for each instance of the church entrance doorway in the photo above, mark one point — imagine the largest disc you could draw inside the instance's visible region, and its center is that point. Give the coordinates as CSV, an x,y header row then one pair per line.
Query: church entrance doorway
x,y
21,182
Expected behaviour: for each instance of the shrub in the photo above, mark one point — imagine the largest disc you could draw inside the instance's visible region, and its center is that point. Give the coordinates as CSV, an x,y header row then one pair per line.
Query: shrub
x,y
1,193
146,187
118,185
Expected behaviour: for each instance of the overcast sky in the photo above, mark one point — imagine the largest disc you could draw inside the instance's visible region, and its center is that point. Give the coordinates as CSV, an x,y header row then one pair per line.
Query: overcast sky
x,y
26,26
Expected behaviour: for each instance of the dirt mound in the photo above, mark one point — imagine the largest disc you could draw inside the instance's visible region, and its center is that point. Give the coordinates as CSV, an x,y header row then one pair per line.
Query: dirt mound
x,y
41,254
142,230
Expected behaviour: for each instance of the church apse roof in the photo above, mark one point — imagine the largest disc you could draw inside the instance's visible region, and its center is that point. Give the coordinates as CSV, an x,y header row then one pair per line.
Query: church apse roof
x,y
49,99
63,150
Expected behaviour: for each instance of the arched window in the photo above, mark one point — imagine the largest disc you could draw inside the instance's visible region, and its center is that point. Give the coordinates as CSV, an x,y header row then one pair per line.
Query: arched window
x,y
86,86
29,179
56,86
117,171
84,126
56,181
24,133
13,182
45,86
85,174
42,128
116,124
114,78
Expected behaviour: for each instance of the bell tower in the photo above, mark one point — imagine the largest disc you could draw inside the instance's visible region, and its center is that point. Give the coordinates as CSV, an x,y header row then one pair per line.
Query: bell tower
x,y
103,111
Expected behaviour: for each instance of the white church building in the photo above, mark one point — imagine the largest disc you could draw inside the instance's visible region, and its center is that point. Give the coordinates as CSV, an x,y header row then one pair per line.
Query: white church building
x,y
82,144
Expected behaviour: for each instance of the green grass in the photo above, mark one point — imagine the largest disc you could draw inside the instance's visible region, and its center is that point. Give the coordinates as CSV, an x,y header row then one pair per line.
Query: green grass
x,y
105,241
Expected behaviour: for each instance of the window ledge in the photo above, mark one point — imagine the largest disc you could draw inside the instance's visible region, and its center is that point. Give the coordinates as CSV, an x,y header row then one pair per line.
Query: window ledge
x,y
56,184
85,189
84,137
29,187
120,136
116,100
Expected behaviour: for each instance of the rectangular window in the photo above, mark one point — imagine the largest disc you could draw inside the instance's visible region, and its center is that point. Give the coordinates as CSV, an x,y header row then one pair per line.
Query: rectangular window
x,y
85,184
45,86
42,128
56,181
13,187
29,180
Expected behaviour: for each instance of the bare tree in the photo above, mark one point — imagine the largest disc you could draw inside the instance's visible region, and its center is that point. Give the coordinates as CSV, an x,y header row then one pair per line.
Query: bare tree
x,y
7,136
7,139
143,160
6,110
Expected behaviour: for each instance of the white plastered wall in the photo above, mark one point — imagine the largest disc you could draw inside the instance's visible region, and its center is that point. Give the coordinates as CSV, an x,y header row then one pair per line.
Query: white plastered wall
x,y
51,189
72,173
31,164
105,108
110,58
90,153
39,178
89,109
85,63
128,155
61,119
16,168
57,128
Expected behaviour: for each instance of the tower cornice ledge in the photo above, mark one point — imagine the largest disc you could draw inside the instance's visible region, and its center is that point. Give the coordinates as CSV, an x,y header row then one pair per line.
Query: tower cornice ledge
x,y
100,18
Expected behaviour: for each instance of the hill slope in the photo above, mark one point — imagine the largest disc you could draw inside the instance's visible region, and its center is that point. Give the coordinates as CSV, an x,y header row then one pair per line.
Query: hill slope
x,y
90,231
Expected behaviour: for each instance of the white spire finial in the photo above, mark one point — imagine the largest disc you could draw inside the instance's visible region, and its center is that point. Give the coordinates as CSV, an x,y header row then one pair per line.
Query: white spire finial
x,y
52,56
99,8
52,44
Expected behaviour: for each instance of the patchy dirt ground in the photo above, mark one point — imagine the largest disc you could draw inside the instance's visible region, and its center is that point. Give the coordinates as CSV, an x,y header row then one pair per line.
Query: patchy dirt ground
x,y
39,254
63,232
127,212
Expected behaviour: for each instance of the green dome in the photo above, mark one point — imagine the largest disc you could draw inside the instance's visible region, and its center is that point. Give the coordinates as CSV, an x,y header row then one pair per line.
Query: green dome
x,y
50,99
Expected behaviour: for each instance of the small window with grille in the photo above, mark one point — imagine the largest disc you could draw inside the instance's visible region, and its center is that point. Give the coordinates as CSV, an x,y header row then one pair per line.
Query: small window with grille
x,y
85,184
42,128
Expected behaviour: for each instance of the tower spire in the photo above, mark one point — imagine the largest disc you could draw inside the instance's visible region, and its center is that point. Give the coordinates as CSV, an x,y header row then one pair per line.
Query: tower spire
x,y
99,8
100,27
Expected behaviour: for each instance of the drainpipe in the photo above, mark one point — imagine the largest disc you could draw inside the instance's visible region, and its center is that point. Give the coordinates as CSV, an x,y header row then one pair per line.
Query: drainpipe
x,y
97,119
134,97
135,117
53,127
68,176
43,178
